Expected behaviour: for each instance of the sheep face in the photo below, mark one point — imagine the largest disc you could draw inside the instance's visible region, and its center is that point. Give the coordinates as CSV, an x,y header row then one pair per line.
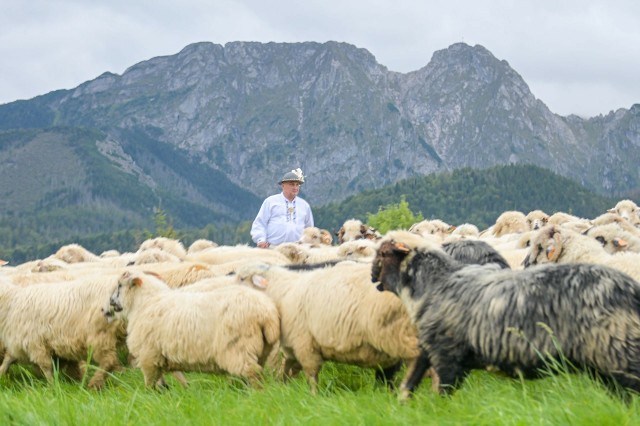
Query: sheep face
x,y
325,237
126,282
387,264
546,247
537,219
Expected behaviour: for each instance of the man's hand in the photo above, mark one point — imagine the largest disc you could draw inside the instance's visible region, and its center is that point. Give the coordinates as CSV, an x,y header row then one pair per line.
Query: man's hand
x,y
263,244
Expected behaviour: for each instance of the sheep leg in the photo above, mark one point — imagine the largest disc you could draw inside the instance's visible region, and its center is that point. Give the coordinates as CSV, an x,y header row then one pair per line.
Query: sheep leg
x,y
450,373
107,361
6,363
150,367
415,375
386,375
180,377
311,362
42,359
291,368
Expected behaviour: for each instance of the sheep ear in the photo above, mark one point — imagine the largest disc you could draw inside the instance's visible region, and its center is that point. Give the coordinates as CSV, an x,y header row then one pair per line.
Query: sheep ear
x,y
553,250
137,281
401,247
619,242
260,281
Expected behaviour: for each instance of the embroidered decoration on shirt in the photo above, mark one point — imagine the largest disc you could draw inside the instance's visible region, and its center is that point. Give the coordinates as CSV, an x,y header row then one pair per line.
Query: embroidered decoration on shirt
x,y
291,211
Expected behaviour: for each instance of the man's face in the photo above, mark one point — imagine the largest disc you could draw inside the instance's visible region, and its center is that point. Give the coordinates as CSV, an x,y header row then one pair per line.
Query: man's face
x,y
290,189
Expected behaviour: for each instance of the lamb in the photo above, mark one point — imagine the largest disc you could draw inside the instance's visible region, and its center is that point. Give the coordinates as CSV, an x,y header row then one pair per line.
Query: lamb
x,y
555,244
471,316
628,210
335,314
231,329
61,319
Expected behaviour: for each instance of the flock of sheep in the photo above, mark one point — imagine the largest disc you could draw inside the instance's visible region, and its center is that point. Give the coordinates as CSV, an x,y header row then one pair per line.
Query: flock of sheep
x,y
529,287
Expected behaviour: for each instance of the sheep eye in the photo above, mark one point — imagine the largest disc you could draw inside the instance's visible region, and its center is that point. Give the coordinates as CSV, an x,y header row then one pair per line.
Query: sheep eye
x,y
601,240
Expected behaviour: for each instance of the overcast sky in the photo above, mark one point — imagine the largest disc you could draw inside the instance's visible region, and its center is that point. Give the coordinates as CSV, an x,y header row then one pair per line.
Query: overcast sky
x,y
577,56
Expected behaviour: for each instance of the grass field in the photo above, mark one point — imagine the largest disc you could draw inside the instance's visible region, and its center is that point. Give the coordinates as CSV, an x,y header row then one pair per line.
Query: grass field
x,y
347,395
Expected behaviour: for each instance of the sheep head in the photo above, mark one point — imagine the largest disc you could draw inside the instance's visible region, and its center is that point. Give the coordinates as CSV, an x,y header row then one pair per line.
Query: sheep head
x,y
253,275
126,281
546,247
387,264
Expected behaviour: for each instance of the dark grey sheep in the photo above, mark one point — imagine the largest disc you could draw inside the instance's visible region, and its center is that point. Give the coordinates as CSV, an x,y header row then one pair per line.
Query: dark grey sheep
x,y
471,316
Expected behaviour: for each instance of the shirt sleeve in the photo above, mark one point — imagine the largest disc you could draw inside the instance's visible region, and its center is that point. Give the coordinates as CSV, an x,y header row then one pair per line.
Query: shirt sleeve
x,y
259,226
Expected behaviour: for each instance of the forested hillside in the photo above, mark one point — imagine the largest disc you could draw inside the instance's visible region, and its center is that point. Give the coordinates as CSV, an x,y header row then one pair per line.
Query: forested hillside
x,y
473,196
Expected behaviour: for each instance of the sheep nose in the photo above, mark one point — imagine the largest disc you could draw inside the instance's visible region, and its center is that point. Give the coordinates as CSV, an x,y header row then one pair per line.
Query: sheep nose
x,y
115,305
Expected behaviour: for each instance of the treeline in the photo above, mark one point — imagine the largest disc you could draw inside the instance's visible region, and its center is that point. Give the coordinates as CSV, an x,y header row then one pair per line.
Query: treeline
x,y
472,196
462,196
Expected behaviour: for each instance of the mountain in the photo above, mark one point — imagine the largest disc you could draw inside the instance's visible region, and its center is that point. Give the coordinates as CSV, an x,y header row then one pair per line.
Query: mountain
x,y
205,134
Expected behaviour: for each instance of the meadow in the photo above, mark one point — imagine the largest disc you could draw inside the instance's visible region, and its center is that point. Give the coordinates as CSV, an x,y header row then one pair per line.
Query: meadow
x,y
347,395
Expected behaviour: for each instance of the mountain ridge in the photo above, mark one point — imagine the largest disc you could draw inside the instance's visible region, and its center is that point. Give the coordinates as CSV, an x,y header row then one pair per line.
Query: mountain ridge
x,y
208,131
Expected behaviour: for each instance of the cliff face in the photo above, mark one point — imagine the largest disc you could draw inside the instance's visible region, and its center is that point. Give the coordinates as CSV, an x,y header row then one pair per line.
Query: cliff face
x,y
244,113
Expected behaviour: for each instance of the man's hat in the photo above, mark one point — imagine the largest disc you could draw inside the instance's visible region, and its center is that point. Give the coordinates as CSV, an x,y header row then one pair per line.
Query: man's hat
x,y
293,176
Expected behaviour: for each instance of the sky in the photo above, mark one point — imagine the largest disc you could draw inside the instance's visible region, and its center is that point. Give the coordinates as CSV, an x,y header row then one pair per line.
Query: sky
x,y
577,56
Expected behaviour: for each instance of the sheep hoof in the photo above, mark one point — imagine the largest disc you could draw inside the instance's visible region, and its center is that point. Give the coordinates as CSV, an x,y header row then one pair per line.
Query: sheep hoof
x,y
404,396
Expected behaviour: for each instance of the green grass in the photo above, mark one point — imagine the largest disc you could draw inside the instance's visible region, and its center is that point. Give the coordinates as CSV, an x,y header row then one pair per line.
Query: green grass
x,y
347,395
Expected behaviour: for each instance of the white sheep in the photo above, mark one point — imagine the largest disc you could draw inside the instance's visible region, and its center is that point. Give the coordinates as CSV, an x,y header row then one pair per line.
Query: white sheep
x,y
200,244
607,218
435,227
628,210
223,254
354,229
510,222
178,274
231,329
64,319
74,253
325,237
536,219
464,231
311,235
169,245
614,238
362,249
335,314
576,223
556,244
155,255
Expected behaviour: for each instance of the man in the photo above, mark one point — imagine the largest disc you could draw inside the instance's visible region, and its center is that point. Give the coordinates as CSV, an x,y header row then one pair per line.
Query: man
x,y
282,217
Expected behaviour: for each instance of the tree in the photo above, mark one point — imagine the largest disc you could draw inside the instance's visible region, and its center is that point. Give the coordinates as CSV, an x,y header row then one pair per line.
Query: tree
x,y
164,225
393,216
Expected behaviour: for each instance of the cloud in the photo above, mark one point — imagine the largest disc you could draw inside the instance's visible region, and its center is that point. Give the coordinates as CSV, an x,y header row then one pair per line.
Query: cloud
x,y
578,57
